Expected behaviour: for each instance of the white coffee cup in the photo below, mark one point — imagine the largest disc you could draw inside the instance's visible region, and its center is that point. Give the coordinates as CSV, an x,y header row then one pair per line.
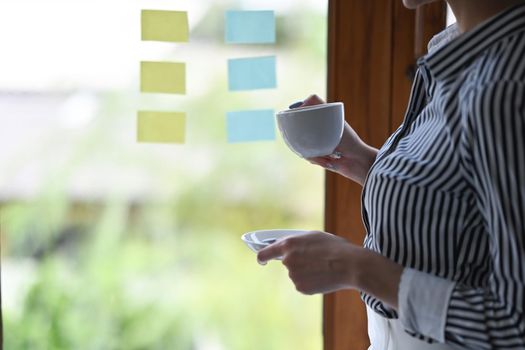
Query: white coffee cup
x,y
313,131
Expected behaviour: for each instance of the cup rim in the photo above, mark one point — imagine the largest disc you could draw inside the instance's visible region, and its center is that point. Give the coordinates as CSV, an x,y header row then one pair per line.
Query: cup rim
x,y
309,108
245,237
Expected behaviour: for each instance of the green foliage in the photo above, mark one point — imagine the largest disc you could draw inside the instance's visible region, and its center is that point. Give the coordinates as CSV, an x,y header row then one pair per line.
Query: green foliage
x,y
158,285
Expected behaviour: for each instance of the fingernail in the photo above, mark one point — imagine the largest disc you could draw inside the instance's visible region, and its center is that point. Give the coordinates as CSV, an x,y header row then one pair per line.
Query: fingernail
x,y
261,262
336,155
296,105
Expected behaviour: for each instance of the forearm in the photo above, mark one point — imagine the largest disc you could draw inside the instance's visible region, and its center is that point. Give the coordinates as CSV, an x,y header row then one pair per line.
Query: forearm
x,y
377,276
358,163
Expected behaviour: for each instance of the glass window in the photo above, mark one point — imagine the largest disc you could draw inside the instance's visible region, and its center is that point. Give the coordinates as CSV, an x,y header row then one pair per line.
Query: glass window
x,y
112,244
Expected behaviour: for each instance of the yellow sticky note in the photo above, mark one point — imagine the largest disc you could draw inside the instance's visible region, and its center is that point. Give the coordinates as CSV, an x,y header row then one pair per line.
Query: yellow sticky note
x,y
161,127
170,26
163,77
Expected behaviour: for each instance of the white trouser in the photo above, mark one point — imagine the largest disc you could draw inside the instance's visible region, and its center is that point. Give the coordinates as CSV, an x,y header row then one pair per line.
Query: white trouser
x,y
386,334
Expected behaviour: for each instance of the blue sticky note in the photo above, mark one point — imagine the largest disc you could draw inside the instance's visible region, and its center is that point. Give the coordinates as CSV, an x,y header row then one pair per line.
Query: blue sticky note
x,y
254,125
252,73
250,27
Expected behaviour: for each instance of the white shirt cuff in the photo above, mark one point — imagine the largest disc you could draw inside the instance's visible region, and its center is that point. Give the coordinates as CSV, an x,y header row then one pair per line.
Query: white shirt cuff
x,y
423,303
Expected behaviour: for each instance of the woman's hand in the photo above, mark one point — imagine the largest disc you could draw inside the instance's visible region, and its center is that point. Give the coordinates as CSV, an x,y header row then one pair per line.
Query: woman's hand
x,y
354,156
320,262
317,262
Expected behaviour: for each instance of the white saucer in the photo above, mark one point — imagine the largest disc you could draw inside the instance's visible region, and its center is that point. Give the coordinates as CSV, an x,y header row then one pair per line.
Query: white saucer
x,y
257,240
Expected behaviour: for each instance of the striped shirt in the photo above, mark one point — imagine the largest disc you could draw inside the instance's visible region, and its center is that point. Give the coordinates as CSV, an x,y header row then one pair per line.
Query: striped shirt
x,y
446,195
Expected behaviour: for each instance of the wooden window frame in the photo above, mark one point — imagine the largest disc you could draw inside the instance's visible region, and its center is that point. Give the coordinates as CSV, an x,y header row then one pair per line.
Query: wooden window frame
x,y
372,50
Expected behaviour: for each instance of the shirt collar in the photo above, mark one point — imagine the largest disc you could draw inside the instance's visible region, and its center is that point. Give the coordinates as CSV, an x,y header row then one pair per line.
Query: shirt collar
x,y
450,51
443,38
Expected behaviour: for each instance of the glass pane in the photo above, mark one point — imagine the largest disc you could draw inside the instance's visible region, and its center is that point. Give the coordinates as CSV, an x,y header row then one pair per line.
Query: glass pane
x,y
112,244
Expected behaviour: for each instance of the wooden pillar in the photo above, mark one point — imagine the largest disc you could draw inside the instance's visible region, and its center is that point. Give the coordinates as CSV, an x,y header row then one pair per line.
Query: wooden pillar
x,y
371,56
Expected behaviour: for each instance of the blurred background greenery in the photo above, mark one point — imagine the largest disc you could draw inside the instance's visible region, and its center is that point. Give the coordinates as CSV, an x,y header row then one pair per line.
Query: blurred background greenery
x,y
110,244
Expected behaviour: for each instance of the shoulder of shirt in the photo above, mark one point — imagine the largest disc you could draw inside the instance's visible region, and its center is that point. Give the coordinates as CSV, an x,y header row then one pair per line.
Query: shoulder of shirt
x,y
497,73
508,49
507,56
496,101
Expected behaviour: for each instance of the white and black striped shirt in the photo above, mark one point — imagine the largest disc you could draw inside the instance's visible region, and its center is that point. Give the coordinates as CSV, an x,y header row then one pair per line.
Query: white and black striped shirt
x,y
446,195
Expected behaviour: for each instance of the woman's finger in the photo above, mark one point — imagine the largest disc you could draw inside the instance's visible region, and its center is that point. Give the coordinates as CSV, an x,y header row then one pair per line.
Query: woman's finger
x,y
325,162
273,251
313,100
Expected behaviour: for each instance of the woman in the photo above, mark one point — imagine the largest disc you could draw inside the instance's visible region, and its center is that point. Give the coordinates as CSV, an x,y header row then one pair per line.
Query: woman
x,y
443,263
